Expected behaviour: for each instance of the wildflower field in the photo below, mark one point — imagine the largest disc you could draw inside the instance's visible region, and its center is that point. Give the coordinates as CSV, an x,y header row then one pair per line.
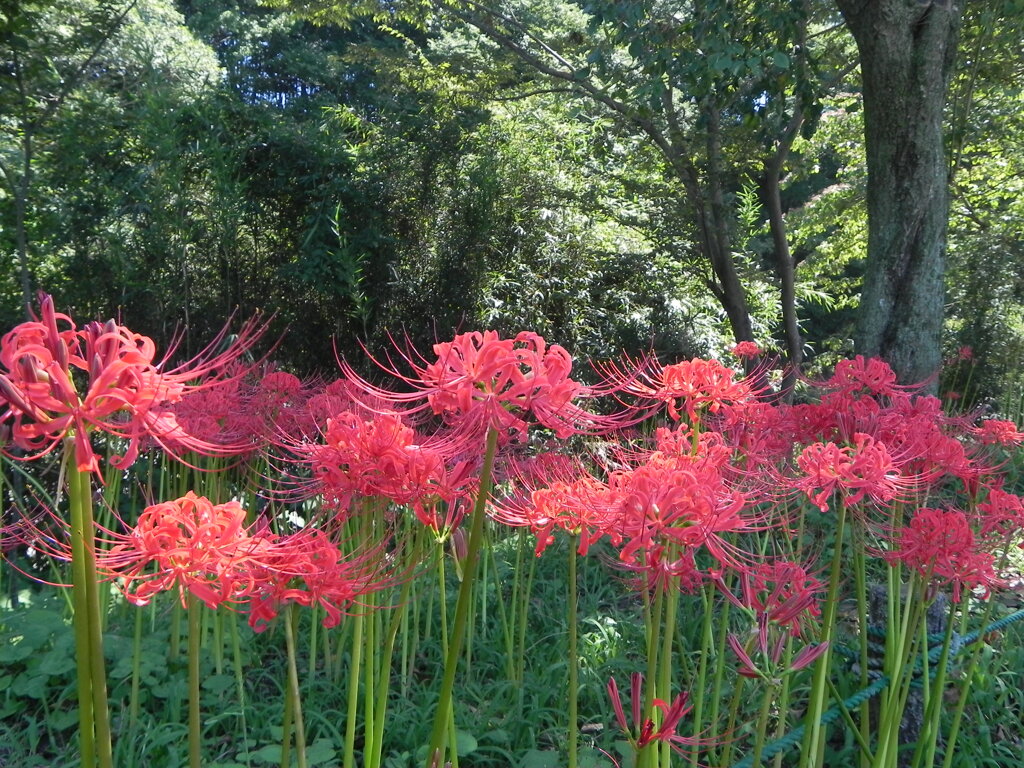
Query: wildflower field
x,y
471,557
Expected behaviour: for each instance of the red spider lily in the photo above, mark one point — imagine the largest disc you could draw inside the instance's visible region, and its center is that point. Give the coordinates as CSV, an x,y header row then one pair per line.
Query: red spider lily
x,y
999,432
479,381
661,569
690,386
579,507
1001,514
865,468
921,440
661,503
280,401
940,545
761,434
644,731
746,349
384,457
220,415
192,544
862,375
123,392
309,568
771,653
782,592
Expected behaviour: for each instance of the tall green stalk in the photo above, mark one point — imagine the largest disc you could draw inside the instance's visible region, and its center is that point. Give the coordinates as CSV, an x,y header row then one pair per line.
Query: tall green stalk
x,y
706,642
354,677
572,601
444,704
812,751
94,712
293,686
195,733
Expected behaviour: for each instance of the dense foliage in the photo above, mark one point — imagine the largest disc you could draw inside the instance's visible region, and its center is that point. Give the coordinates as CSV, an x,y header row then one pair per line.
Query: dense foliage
x,y
420,174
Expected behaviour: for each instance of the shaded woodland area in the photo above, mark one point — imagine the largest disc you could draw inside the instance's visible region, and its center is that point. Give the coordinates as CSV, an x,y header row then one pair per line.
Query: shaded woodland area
x,y
613,176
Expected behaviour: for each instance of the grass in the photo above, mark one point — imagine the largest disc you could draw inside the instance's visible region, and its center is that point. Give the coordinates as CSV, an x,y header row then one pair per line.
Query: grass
x,y
501,724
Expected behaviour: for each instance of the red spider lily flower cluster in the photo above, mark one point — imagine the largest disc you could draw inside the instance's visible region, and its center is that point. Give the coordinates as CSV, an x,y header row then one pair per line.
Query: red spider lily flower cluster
x,y
60,381
689,387
746,349
194,545
863,375
781,593
999,432
940,545
1002,515
784,599
308,568
658,513
581,507
862,470
771,653
204,549
701,485
383,457
480,381
643,731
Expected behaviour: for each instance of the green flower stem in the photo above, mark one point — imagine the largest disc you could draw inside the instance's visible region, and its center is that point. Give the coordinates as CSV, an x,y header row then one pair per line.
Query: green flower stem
x,y
863,744
195,733
734,708
517,590
784,695
720,653
524,610
900,669
861,588
706,643
86,589
762,724
86,727
354,677
444,705
293,685
133,700
572,599
929,737
369,672
665,665
812,751
373,759
314,648
504,619
965,686
236,652
286,727
653,612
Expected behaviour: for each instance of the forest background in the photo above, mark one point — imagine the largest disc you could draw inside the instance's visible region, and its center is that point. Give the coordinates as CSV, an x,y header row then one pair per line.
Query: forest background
x,y
613,176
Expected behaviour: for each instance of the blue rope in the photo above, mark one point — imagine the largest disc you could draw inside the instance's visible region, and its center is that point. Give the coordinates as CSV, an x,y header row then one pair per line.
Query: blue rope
x,y
958,643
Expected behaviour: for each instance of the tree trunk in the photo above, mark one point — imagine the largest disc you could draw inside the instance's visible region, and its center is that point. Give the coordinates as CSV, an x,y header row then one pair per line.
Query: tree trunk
x,y
907,50
717,245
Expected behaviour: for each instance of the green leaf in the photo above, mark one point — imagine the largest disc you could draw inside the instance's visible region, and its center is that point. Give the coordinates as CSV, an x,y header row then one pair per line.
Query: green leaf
x,y
63,720
31,685
321,751
57,662
465,742
218,683
536,758
268,754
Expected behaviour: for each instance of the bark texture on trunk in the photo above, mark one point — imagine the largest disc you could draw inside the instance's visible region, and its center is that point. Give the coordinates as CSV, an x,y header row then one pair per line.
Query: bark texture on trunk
x,y
907,49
